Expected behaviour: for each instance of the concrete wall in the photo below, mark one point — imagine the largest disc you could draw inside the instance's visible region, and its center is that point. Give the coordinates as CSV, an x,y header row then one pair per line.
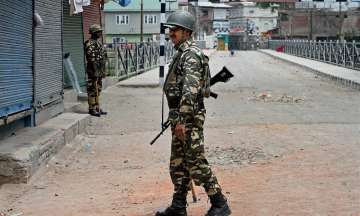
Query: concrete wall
x,y
220,14
325,24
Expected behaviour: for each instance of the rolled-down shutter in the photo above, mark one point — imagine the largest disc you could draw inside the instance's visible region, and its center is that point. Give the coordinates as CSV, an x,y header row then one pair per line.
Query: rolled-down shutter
x,y
73,42
16,52
48,53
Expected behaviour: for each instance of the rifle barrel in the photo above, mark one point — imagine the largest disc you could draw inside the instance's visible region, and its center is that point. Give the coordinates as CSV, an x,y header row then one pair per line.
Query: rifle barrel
x,y
165,126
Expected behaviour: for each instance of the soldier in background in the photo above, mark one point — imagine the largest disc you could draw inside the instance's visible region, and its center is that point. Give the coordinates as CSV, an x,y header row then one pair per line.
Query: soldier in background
x,y
183,88
96,58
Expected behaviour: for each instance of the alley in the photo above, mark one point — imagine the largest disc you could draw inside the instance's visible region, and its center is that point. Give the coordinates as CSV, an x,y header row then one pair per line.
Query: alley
x,y
282,141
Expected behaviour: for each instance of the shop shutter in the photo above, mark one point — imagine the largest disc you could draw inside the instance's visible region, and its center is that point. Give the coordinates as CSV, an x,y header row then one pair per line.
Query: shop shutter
x,y
16,56
73,42
48,53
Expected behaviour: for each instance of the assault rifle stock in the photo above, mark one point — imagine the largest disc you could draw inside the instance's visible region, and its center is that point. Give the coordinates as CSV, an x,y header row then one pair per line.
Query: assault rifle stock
x,y
223,76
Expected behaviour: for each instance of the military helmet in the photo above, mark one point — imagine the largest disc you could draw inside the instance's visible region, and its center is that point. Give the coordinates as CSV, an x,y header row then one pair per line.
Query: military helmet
x,y
94,28
181,18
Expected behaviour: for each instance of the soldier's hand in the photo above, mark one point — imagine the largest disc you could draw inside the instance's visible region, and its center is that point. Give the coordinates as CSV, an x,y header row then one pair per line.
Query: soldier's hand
x,y
180,131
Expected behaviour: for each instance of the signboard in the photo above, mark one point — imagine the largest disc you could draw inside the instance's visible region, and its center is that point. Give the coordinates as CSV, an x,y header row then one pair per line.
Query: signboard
x,y
221,26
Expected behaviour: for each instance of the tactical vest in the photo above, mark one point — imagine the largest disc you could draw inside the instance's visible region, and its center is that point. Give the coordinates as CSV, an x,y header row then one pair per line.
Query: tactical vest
x,y
173,91
205,82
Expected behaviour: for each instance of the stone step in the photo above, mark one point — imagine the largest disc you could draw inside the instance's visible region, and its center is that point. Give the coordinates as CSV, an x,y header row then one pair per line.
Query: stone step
x,y
28,149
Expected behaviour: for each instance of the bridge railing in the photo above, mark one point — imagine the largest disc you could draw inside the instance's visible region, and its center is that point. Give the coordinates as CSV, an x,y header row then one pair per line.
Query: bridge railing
x,y
346,54
127,59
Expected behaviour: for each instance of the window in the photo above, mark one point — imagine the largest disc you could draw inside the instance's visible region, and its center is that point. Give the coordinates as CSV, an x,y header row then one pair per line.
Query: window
x,y
122,19
150,19
205,13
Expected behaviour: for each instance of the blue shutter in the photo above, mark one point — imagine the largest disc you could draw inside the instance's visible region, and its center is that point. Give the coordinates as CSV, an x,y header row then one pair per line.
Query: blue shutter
x,y
16,53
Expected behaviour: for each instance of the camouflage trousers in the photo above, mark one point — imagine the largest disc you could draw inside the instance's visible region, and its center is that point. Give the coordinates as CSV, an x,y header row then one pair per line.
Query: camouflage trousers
x,y
94,86
188,160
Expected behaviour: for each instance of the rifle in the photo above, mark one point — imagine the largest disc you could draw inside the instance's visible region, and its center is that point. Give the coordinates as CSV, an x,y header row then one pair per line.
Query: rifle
x,y
223,76
164,127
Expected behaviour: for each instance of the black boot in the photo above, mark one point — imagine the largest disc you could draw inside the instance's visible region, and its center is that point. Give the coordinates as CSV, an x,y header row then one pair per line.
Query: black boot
x,y
177,207
94,113
219,206
102,112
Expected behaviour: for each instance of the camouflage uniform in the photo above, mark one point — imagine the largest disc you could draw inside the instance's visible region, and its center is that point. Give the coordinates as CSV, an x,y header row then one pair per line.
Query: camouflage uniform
x,y
95,69
186,104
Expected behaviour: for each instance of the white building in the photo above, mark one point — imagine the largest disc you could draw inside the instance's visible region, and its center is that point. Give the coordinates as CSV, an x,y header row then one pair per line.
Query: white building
x,y
210,17
248,16
328,4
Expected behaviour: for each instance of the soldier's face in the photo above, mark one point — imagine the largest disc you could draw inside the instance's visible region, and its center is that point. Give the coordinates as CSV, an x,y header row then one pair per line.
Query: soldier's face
x,y
98,34
177,35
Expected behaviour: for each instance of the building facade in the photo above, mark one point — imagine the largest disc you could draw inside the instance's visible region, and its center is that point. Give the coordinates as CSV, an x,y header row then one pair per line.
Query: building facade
x,y
326,20
248,16
212,18
122,24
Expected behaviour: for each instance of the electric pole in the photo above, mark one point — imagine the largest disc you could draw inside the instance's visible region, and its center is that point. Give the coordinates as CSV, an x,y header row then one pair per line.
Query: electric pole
x,y
142,21
310,20
341,21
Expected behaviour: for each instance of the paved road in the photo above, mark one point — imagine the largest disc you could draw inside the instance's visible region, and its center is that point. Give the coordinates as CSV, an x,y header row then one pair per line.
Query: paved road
x,y
282,141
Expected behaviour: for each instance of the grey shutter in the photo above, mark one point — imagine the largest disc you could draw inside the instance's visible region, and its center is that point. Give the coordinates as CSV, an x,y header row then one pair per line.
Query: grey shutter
x,y
48,53
16,53
73,42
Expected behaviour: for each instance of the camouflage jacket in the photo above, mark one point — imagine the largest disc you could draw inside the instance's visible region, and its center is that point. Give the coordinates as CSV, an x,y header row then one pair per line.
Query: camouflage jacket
x,y
96,58
182,86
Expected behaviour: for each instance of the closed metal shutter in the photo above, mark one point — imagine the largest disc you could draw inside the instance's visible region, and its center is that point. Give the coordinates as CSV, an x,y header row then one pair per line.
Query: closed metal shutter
x,y
48,53
16,53
73,42
91,15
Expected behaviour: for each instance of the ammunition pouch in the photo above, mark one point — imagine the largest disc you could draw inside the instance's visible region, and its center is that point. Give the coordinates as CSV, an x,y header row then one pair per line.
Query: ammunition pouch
x,y
173,102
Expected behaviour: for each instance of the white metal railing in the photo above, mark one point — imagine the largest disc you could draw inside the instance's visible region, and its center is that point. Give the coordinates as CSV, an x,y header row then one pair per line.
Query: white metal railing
x,y
127,59
346,54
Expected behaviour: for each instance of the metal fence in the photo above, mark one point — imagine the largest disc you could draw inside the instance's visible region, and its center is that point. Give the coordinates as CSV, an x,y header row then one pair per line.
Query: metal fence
x,y
346,54
128,59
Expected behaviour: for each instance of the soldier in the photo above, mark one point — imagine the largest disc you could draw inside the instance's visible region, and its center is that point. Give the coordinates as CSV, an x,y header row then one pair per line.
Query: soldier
x,y
183,88
95,69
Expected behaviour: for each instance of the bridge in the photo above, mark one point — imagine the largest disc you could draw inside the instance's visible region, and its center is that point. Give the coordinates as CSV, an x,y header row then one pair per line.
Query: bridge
x,y
283,139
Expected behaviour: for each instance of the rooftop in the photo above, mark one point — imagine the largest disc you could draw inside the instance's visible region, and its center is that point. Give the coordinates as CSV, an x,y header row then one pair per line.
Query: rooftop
x,y
149,5
212,5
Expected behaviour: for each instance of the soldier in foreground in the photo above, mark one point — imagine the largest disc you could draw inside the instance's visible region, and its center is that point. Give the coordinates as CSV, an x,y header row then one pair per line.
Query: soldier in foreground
x,y
95,69
184,88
